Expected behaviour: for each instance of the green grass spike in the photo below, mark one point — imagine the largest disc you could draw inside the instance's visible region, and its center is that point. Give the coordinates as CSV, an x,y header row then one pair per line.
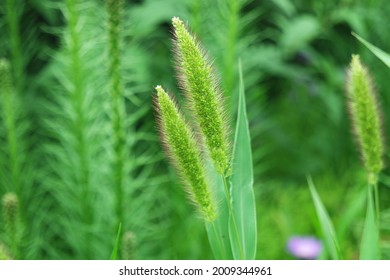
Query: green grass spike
x,y
184,153
365,117
204,95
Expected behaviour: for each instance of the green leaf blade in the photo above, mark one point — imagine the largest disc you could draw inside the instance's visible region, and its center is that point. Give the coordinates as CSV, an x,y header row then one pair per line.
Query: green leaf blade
x,y
115,250
385,57
242,226
369,247
218,230
327,228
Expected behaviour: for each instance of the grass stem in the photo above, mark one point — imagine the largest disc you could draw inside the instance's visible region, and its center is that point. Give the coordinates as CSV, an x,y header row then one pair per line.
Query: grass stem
x,y
231,214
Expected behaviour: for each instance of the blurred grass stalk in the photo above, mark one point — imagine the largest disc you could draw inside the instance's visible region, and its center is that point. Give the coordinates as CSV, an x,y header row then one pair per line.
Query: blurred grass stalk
x,y
14,10
116,89
14,161
373,203
73,154
367,124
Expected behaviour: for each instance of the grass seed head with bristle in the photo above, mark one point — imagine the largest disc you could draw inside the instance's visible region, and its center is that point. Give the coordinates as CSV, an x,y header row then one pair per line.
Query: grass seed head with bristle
x,y
181,147
128,246
202,90
10,209
365,118
4,254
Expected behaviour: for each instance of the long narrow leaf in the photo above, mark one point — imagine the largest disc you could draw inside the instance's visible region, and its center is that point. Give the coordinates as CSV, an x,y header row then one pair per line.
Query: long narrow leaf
x,y
369,248
114,254
328,231
218,231
385,57
242,226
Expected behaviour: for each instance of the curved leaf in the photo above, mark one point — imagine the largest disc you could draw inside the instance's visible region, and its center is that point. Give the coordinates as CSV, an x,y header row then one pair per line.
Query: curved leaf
x,y
328,231
385,57
217,231
242,225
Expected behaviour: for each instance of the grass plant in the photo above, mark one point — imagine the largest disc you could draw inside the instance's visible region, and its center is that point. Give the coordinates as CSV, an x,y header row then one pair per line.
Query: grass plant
x,y
262,101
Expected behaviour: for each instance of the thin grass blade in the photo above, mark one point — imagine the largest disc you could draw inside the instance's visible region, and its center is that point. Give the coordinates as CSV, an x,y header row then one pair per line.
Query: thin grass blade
x,y
114,254
243,230
328,231
369,248
385,57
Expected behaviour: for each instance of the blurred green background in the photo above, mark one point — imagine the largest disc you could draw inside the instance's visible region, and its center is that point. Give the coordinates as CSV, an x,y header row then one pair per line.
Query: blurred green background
x,y
57,152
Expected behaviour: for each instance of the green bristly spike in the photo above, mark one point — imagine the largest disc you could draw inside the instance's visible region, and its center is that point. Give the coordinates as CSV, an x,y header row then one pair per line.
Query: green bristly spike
x,y
181,146
205,98
128,246
10,208
365,117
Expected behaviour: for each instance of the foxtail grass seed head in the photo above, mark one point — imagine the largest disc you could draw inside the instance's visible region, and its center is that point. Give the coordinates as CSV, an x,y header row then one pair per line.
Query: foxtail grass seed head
x,y
128,246
10,209
181,146
202,90
365,118
4,254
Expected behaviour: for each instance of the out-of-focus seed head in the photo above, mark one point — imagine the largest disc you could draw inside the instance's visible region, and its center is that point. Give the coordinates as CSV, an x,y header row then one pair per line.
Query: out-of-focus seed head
x,y
10,209
365,117
4,254
128,246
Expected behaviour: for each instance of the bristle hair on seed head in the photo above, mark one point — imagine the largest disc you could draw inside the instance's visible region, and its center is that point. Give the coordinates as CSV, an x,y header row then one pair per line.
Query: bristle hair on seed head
x,y
203,95
10,205
128,245
365,117
181,147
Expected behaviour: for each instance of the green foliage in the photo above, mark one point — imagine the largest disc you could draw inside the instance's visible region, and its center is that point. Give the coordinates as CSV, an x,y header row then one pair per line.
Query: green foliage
x,y
327,228
378,52
115,250
370,248
78,139
243,227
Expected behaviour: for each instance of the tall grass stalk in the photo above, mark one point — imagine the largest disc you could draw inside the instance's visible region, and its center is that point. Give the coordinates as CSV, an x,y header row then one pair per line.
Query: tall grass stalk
x,y
78,102
367,125
77,127
115,17
15,176
13,12
10,109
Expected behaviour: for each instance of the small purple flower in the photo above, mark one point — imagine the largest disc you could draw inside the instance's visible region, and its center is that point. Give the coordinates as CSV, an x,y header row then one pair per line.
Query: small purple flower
x,y
304,247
